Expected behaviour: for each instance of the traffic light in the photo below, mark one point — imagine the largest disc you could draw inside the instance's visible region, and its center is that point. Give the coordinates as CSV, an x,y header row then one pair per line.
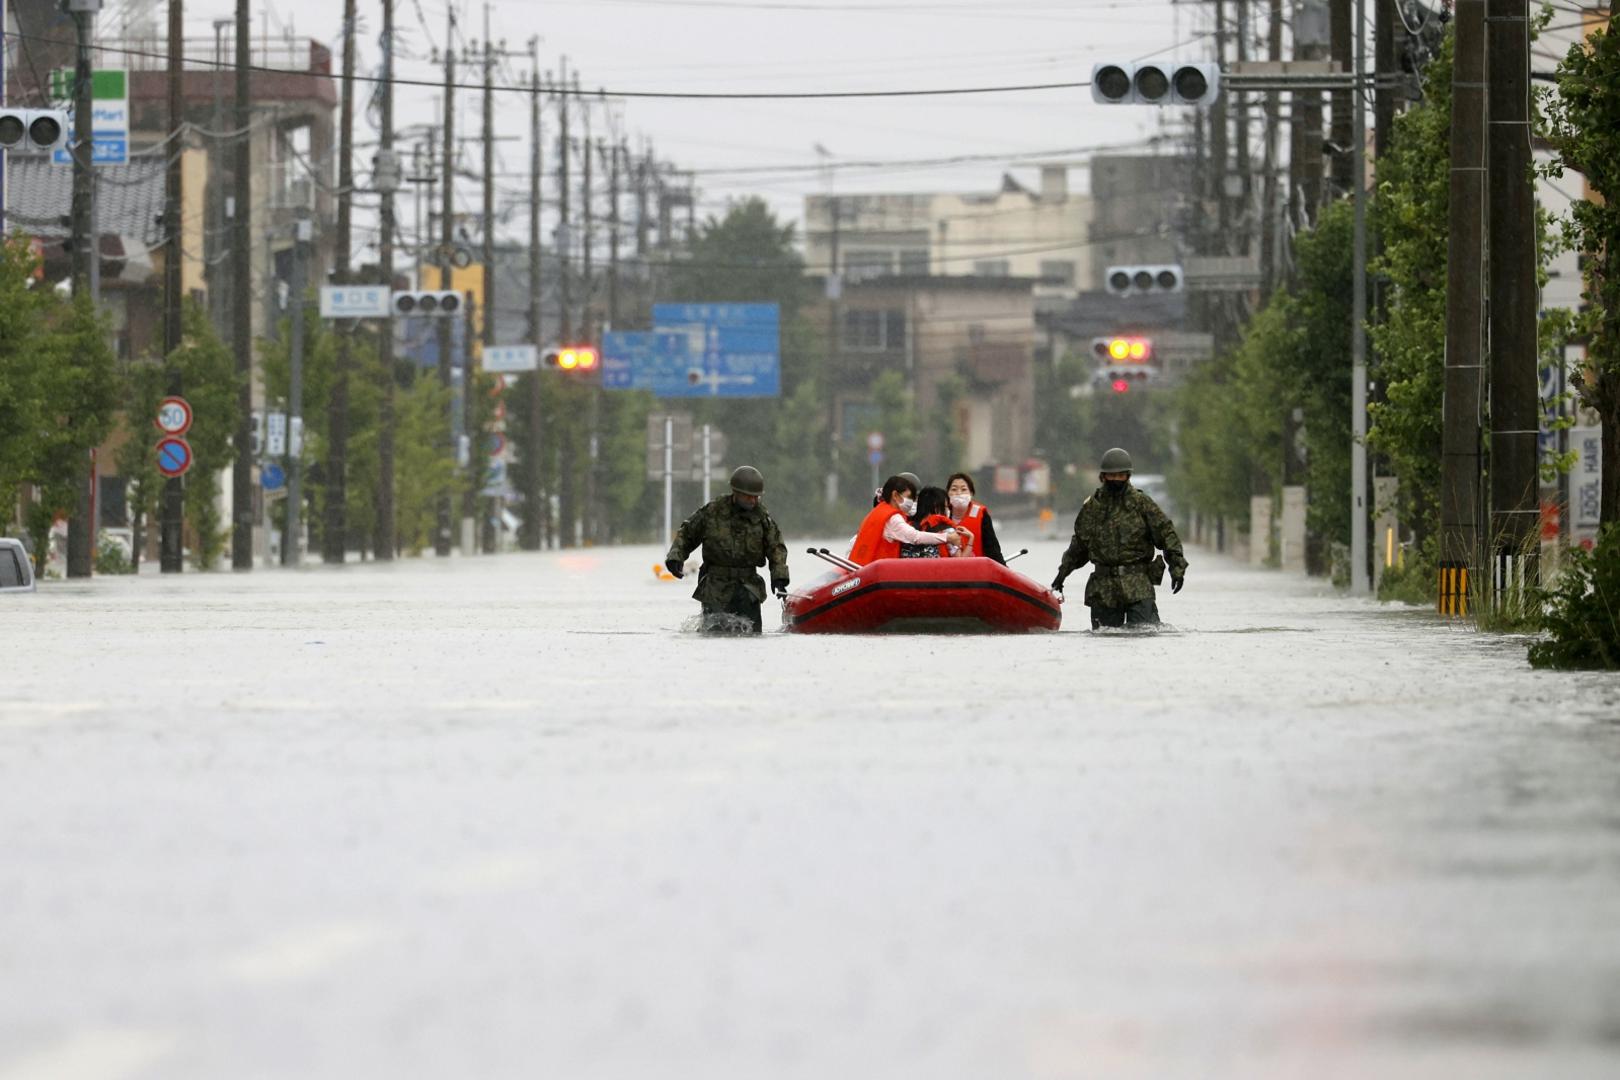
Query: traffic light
x,y
1121,349
427,302
1129,280
1155,84
37,131
578,358
1121,380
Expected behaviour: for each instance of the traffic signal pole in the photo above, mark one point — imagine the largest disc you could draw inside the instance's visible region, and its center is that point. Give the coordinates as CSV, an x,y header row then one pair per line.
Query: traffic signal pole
x,y
447,238
383,547
1360,568
241,226
171,536
334,517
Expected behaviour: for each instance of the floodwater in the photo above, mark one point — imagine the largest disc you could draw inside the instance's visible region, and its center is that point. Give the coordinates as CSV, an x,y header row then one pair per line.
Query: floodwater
x,y
503,818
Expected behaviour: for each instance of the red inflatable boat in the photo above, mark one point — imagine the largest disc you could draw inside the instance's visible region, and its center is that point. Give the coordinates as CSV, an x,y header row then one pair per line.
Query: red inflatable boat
x,y
921,596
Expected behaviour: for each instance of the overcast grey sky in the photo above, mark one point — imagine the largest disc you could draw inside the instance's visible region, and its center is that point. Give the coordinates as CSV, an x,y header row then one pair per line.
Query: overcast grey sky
x,y
792,45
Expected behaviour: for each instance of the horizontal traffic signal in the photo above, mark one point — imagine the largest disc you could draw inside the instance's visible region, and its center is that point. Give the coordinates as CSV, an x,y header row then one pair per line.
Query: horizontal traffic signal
x,y
38,131
580,358
1118,83
1121,349
1131,280
427,302
1121,380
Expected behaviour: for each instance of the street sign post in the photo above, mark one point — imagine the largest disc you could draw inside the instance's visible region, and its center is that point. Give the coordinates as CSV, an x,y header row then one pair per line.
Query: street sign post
x,y
174,416
173,456
109,120
355,302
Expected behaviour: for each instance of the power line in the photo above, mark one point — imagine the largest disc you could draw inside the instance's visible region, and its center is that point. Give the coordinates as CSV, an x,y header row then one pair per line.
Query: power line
x,y
603,93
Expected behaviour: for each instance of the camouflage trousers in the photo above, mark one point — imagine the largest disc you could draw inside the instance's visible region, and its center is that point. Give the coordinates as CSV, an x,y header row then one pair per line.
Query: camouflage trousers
x,y
740,605
1141,613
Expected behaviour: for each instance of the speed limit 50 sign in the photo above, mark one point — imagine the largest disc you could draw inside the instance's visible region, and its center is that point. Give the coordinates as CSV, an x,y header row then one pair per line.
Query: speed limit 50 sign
x,y
173,416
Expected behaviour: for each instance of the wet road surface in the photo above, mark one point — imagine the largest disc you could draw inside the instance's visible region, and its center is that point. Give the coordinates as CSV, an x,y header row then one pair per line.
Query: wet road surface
x,y
502,818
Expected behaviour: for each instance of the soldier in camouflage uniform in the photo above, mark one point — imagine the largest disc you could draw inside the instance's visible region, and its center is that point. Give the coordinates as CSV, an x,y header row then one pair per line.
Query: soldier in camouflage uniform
x,y
1117,530
737,534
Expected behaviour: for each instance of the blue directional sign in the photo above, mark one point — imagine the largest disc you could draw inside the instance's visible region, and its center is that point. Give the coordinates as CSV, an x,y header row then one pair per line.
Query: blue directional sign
x,y
272,476
699,350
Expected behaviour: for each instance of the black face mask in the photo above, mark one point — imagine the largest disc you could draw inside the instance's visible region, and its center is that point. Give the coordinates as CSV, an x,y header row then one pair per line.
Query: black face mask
x,y
1115,487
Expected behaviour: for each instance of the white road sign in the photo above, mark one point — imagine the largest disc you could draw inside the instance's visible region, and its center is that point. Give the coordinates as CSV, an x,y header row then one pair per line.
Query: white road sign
x,y
507,359
355,302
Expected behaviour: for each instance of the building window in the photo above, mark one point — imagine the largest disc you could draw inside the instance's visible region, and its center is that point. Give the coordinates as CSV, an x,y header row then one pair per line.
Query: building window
x,y
914,263
992,268
1057,272
874,331
863,265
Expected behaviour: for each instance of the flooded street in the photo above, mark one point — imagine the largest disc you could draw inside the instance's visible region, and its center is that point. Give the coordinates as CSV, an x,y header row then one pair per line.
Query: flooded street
x,y
502,818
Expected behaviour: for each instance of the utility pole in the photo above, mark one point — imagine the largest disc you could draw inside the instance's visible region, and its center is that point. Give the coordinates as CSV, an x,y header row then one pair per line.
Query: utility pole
x,y
613,233
532,532
385,543
587,322
1218,143
241,232
1514,300
1465,289
1386,70
1268,195
587,329
1360,569
469,429
1310,35
475,538
1240,134
335,518
565,247
81,527
292,541
171,537
447,238
1341,41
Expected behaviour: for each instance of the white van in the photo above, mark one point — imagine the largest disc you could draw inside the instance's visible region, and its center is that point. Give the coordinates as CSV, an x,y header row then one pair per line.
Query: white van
x,y
16,568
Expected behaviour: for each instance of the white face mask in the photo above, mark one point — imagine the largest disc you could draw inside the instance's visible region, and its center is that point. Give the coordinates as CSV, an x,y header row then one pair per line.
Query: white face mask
x,y
960,503
908,506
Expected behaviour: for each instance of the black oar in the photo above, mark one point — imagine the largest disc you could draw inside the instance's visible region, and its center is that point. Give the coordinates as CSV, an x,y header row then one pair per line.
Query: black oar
x,y
838,560
1020,555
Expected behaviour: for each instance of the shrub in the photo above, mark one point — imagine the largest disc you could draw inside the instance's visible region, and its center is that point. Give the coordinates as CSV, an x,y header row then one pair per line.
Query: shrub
x,y
1583,610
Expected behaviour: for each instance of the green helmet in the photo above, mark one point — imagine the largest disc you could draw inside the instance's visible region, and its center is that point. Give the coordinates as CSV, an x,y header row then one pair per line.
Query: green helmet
x,y
1116,460
748,480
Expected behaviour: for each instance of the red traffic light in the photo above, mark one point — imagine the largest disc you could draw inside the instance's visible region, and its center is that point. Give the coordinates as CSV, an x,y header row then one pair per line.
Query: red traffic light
x,y
1121,385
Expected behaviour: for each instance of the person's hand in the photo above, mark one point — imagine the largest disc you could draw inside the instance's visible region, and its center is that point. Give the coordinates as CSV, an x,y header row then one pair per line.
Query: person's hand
x,y
779,586
1057,584
676,567
1176,582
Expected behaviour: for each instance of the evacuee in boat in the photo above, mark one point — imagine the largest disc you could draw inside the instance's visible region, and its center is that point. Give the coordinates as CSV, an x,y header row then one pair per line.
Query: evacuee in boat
x,y
887,527
931,517
973,517
916,484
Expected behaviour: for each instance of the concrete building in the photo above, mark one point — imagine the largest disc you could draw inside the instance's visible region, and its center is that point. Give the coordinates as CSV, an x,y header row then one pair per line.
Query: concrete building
x,y
1042,234
965,345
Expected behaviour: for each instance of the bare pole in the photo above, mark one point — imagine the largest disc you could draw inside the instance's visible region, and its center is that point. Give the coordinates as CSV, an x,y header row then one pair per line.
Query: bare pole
x,y
335,524
1360,581
1514,299
1268,196
241,233
172,521
530,537
386,541
1465,288
81,524
447,238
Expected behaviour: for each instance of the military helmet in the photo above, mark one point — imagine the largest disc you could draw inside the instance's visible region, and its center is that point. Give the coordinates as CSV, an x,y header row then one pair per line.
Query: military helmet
x,y
916,484
1116,460
748,480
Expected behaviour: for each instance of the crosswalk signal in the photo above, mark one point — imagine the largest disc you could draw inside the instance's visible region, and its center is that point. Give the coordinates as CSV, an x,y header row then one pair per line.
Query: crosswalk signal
x,y
580,358
33,131
438,302
1155,84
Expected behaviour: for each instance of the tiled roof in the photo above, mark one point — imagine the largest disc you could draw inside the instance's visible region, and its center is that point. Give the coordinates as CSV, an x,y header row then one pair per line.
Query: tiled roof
x,y
129,198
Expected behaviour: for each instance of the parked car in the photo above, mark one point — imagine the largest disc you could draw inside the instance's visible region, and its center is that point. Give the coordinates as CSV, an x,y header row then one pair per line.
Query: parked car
x,y
16,568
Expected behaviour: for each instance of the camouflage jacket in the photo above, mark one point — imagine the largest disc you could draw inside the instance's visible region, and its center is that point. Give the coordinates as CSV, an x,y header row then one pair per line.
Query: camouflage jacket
x,y
734,541
1119,534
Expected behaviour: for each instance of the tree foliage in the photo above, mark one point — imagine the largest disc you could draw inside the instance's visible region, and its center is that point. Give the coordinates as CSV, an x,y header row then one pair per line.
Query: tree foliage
x,y
1583,124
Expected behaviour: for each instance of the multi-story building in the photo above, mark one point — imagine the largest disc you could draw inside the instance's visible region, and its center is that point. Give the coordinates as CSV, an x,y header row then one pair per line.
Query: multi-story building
x,y
1042,234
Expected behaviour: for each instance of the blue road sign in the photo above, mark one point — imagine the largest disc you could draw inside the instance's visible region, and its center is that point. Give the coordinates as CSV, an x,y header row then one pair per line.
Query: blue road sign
x,y
700,350
173,456
874,457
648,360
272,476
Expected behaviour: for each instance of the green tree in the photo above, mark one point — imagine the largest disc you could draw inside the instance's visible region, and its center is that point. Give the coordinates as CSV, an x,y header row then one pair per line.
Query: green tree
x,y
424,470
1583,124
24,311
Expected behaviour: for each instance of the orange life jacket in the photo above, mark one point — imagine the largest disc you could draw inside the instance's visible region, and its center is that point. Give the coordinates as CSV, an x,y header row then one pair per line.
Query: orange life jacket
x,y
870,544
972,522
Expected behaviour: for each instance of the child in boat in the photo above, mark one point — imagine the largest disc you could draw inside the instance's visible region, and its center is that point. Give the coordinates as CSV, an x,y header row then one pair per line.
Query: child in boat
x,y
933,516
